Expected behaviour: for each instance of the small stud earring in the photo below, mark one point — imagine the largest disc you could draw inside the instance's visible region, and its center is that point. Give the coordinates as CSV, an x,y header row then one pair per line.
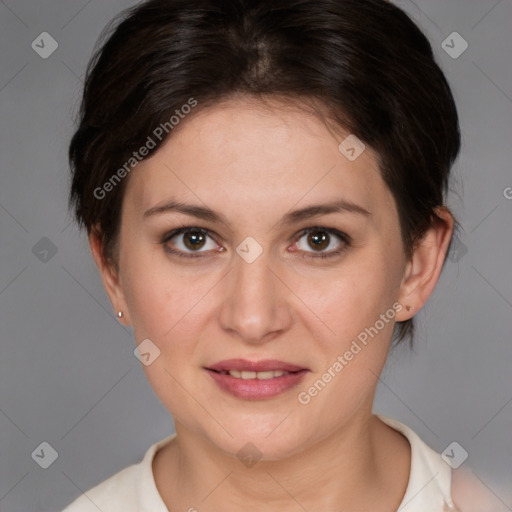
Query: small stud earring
x,y
409,308
119,314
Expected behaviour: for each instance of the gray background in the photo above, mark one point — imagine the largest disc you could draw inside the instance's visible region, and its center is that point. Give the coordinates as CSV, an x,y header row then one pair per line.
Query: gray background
x,y
68,375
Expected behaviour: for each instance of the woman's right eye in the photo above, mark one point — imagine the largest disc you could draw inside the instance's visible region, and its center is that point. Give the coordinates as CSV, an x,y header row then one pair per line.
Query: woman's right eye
x,y
187,241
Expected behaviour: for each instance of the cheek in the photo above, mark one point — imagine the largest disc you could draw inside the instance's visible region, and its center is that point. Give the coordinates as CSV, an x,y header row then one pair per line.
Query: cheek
x,y
162,308
168,305
356,344
351,297
166,309
157,297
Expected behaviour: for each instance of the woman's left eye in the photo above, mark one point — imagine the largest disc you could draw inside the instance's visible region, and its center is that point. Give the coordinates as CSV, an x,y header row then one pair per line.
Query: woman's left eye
x,y
320,239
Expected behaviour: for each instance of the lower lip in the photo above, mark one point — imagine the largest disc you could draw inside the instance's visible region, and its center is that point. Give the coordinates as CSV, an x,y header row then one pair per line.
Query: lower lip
x,y
256,389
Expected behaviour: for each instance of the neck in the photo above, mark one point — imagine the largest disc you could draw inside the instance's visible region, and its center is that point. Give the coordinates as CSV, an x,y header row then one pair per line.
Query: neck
x,y
351,468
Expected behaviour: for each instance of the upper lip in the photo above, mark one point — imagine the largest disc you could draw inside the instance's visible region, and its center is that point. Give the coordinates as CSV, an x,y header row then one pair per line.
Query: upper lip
x,y
254,366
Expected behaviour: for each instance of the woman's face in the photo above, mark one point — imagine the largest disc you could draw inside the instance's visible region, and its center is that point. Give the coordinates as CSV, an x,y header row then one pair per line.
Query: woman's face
x,y
254,284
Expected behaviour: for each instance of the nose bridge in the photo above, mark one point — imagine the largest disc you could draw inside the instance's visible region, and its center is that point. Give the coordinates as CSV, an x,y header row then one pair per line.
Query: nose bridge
x,y
253,305
254,278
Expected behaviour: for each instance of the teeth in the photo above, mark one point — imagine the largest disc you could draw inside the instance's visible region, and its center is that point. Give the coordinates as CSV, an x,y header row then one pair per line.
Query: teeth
x,y
256,375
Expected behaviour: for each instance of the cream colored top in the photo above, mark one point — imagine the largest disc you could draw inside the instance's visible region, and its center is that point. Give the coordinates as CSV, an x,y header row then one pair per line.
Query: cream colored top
x,y
133,489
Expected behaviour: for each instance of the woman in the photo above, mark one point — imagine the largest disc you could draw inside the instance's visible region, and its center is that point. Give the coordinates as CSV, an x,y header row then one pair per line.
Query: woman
x,y
263,187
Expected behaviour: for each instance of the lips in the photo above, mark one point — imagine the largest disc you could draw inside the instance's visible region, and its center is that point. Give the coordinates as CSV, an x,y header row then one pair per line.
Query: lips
x,y
259,380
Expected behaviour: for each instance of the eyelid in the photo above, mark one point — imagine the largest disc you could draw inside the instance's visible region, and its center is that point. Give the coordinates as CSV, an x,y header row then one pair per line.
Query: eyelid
x,y
184,229
332,231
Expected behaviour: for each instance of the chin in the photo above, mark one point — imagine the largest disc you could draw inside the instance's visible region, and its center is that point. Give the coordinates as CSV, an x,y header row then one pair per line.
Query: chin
x,y
263,438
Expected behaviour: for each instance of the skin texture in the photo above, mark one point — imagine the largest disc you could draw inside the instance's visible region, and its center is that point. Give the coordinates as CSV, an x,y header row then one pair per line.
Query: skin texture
x,y
252,163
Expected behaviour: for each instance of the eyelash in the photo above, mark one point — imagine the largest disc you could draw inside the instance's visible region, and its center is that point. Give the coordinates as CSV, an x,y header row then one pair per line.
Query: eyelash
x,y
346,241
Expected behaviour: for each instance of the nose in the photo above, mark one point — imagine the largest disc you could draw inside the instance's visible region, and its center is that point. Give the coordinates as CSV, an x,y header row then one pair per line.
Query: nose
x,y
256,304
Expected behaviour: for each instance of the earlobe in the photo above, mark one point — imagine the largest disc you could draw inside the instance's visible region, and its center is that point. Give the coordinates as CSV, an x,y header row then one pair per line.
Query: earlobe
x,y
110,277
424,268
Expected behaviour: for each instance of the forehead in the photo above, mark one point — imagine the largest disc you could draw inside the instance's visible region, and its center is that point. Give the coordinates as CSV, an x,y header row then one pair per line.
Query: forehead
x,y
248,154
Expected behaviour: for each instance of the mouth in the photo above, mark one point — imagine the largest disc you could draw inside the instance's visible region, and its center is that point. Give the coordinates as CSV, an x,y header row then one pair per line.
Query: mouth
x,y
251,380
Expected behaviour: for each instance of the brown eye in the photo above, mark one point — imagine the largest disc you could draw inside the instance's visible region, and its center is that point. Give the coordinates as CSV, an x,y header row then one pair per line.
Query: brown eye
x,y
322,241
186,241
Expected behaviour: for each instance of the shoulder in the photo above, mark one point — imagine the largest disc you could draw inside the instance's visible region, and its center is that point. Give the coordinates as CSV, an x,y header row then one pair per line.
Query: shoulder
x,y
133,489
471,495
432,482
117,493
429,477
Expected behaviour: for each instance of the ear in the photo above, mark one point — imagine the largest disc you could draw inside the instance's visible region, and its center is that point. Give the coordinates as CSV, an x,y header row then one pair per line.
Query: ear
x,y
424,268
110,277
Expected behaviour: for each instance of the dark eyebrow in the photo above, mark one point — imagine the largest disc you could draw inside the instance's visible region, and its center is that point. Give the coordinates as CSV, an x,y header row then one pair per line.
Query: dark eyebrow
x,y
338,206
292,217
188,209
